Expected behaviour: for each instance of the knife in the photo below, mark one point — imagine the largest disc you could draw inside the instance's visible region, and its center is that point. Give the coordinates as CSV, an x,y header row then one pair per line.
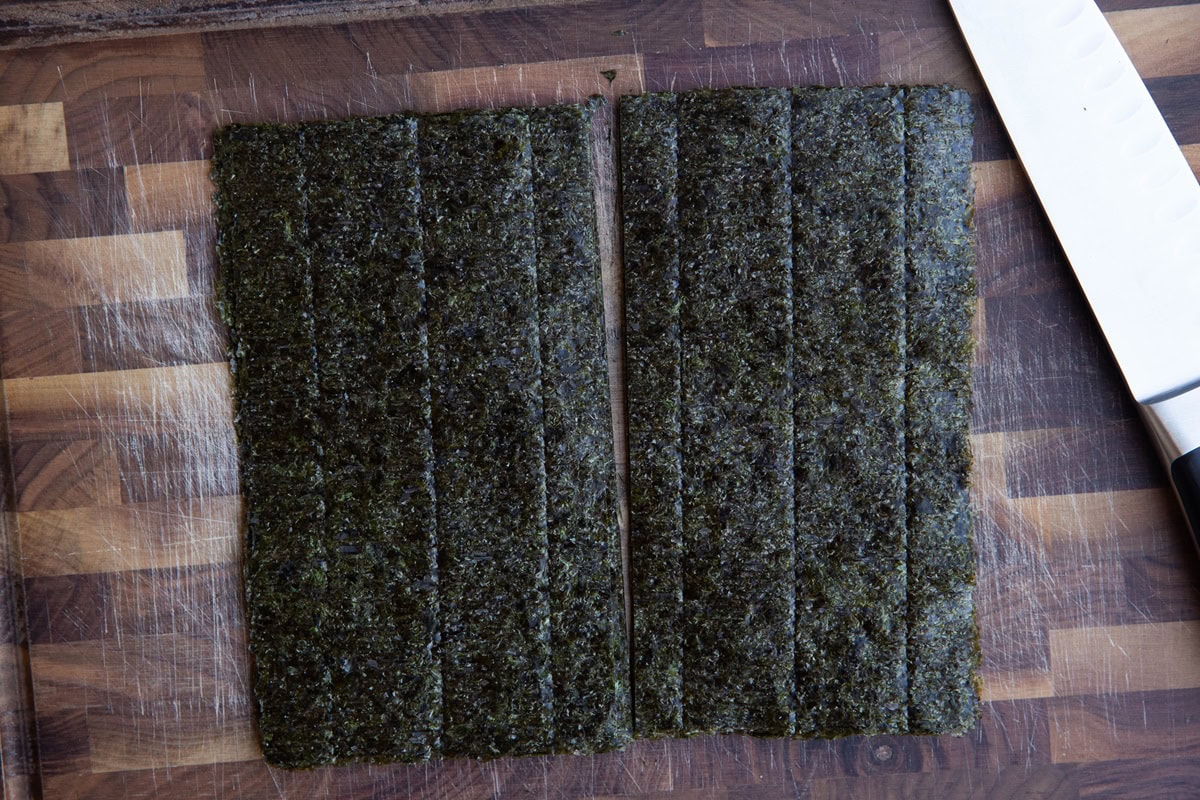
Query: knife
x,y
1120,197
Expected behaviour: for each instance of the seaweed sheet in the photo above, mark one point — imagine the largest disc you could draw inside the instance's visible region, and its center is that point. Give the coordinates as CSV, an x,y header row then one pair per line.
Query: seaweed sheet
x,y
735,324
477,214
650,231
851,624
590,659
363,201
943,649
267,302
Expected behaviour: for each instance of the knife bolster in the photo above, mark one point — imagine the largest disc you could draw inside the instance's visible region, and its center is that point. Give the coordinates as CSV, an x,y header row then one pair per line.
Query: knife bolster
x,y
1175,424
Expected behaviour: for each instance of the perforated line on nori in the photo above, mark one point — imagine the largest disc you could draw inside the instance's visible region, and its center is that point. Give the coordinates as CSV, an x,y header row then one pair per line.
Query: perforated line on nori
x,y
736,321
590,656
848,179
943,646
266,290
365,236
477,214
650,255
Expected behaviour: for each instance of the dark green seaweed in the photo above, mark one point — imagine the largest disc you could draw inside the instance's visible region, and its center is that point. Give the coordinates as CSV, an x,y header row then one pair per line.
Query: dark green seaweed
x,y
363,203
267,302
650,232
587,614
736,323
477,212
851,624
943,649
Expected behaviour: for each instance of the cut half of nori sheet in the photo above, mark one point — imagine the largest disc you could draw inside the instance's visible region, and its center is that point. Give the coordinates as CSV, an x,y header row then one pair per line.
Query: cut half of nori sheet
x,y
849,214
590,657
735,242
943,649
267,301
368,276
648,139
477,213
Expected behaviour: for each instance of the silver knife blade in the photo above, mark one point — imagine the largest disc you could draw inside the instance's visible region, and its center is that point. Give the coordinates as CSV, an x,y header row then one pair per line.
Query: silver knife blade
x,y
1116,188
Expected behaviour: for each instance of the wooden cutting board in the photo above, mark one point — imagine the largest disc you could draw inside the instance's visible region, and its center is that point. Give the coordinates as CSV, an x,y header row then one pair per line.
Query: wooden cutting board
x,y
124,670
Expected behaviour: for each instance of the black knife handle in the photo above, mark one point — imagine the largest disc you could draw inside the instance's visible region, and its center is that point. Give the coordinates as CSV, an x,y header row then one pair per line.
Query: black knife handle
x,y
1185,474
1174,424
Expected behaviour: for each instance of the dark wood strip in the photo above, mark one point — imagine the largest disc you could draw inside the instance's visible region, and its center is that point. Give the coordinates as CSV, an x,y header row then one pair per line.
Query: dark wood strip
x,y
735,241
122,131
69,608
1178,98
146,67
293,56
1080,459
63,205
1167,776
112,336
179,464
546,33
739,22
1047,367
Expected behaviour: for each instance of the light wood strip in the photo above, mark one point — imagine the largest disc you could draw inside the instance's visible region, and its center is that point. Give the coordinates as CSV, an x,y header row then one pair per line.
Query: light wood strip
x,y
1141,519
1192,153
1016,685
1126,658
127,401
140,536
33,138
1160,41
540,83
169,195
61,273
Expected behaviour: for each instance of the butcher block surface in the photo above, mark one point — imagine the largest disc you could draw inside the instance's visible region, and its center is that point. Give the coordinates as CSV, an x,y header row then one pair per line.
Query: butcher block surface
x,y
124,670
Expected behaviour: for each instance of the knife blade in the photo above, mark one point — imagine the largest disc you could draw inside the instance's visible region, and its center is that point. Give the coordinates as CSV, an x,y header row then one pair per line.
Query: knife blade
x,y
1119,194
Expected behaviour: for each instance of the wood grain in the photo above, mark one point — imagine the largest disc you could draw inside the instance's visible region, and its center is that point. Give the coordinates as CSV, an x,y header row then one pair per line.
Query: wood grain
x,y
123,665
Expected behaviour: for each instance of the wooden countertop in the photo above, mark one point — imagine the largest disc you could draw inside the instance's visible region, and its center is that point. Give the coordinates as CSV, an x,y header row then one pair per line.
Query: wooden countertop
x,y
124,670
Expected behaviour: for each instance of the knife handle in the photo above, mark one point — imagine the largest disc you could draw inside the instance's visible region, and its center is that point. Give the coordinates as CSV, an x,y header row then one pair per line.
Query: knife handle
x,y
1185,475
1175,425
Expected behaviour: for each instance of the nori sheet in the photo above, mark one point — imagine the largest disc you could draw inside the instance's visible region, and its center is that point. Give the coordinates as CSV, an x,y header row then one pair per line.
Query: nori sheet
x,y
735,325
266,299
648,145
477,212
943,647
851,624
363,205
590,657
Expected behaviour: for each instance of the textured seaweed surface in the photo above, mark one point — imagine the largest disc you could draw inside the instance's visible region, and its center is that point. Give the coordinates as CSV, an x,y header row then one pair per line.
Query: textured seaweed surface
x,y
649,172
851,627
267,301
415,303
477,211
943,649
736,313
590,654
363,202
